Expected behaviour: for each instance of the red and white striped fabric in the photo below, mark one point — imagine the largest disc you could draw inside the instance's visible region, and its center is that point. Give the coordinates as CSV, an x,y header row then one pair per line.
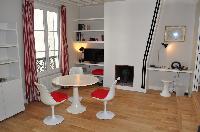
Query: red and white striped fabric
x,y
64,61
32,93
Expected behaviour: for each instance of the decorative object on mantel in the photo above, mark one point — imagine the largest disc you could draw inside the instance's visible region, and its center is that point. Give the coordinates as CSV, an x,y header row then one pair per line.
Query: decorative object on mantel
x,y
175,33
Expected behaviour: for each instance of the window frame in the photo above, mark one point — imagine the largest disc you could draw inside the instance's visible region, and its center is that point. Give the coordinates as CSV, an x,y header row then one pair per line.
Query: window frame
x,y
55,9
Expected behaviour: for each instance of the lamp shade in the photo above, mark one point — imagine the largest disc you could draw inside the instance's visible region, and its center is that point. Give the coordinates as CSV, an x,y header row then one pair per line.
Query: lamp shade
x,y
164,44
81,49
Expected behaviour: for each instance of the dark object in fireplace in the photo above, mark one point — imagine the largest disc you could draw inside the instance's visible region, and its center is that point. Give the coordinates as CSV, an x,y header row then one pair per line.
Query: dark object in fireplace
x,y
126,73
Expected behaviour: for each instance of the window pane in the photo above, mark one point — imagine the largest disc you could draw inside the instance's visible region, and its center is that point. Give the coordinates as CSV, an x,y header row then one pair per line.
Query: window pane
x,y
53,59
52,21
39,40
38,19
53,40
46,53
41,61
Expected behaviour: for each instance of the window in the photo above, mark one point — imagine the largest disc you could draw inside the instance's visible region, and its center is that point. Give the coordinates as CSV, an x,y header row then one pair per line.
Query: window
x,y
46,32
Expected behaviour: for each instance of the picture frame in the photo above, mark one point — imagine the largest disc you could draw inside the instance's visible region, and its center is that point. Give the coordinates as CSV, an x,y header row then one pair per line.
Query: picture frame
x,y
175,33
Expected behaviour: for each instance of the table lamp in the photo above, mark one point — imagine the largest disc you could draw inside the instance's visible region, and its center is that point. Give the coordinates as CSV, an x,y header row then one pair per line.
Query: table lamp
x,y
165,46
82,51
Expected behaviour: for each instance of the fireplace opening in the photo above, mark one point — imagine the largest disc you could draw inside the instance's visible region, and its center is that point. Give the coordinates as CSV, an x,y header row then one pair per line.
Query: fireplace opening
x,y
126,74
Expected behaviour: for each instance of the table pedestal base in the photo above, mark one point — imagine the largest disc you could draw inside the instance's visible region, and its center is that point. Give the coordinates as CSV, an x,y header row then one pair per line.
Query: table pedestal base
x,y
76,106
76,110
71,98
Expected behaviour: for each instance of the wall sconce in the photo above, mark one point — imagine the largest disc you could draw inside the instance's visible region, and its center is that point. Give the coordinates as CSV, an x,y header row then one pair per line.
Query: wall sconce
x,y
164,44
78,45
81,49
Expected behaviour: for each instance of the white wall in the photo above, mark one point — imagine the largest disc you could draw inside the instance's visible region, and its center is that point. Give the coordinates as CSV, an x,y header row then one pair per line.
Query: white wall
x,y
72,14
92,11
127,25
174,13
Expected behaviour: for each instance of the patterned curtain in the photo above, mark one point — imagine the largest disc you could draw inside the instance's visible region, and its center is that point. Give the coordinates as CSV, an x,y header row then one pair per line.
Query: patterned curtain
x,y
64,61
32,93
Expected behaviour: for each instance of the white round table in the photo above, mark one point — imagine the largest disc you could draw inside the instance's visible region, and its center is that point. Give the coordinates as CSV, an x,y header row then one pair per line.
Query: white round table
x,y
75,80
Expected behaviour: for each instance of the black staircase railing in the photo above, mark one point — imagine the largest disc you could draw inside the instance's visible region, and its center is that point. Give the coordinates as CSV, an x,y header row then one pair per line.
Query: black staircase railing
x,y
149,41
41,63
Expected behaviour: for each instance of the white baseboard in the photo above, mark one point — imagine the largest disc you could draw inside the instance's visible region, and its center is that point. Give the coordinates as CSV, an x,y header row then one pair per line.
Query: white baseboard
x,y
155,88
131,89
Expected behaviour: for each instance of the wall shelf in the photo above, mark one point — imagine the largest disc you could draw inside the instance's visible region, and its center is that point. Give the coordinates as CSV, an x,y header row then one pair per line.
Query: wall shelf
x,y
169,70
89,19
8,61
80,31
90,64
7,29
90,42
9,79
7,45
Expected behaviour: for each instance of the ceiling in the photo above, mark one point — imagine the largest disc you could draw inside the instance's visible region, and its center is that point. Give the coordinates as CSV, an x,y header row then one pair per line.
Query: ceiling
x,y
96,2
78,2
88,2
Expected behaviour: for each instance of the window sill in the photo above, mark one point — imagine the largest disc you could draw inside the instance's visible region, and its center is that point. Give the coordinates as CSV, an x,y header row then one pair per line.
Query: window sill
x,y
48,73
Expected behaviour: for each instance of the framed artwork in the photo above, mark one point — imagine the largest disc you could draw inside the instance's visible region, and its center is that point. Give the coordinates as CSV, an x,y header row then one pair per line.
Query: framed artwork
x,y
175,33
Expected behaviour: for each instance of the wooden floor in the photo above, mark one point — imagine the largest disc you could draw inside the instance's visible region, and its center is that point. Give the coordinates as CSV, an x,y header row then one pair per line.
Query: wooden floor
x,y
135,112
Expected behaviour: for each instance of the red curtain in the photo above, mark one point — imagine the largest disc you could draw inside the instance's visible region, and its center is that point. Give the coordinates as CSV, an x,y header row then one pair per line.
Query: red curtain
x,y
32,93
64,61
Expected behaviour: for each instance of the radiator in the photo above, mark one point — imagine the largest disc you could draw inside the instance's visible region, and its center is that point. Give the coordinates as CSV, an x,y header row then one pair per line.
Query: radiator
x,y
47,81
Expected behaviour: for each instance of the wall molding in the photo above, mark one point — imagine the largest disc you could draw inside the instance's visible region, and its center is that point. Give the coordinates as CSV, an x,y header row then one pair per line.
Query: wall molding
x,y
127,88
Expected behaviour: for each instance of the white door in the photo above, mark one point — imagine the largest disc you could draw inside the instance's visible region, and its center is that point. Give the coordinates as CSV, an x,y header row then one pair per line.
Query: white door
x,y
2,105
13,97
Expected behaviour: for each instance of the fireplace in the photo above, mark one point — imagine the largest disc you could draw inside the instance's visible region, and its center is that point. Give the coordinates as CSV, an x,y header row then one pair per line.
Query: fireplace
x,y
126,74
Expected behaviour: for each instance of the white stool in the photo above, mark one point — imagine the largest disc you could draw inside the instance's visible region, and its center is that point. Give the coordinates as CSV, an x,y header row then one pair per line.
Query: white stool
x,y
165,91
